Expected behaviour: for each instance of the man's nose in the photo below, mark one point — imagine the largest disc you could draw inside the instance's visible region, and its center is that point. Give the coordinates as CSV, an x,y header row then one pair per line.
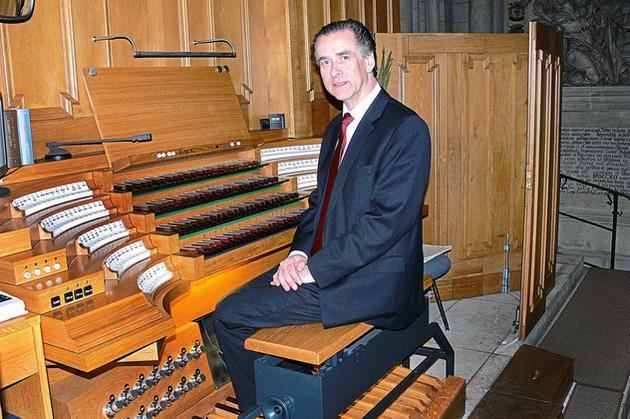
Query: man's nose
x,y
335,69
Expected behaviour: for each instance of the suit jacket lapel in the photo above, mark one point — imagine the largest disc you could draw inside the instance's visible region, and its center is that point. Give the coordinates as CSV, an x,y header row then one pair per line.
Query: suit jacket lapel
x,y
359,138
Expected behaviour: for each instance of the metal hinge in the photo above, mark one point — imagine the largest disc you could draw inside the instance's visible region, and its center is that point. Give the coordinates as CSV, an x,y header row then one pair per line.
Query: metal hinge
x,y
528,179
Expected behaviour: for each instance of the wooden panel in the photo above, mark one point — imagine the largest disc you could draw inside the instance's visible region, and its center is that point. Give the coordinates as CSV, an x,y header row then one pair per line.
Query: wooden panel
x,y
394,13
87,20
26,64
337,10
355,10
259,97
476,238
23,368
424,74
231,21
309,343
198,26
474,102
280,84
201,108
541,195
17,352
153,24
370,15
465,43
302,82
320,107
382,16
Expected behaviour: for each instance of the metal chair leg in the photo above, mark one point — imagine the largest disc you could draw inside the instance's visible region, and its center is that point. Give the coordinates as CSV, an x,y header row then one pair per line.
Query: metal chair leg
x,y
438,300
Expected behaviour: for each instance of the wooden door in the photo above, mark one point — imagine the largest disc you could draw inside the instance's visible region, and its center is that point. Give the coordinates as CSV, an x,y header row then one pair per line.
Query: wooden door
x,y
471,89
542,172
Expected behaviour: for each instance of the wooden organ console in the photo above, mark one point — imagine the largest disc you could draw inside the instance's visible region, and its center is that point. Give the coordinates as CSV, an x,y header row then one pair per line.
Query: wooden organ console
x,y
120,262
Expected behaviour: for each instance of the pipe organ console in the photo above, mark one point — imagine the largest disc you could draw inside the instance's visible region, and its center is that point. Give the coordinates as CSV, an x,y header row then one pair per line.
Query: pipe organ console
x,y
122,262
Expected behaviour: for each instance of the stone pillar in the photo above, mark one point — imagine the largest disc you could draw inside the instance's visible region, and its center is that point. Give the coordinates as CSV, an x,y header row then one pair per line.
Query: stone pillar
x,y
499,16
432,15
448,16
481,15
418,16
406,16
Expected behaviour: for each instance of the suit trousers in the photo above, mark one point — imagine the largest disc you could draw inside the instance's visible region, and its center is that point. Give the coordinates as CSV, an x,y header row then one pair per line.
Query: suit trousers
x,y
257,305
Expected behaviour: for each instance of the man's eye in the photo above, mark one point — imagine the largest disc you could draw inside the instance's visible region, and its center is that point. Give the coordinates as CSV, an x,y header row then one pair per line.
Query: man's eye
x,y
324,62
345,57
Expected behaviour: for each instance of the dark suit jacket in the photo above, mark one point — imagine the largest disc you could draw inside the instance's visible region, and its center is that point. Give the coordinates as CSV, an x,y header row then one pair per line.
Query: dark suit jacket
x,y
370,265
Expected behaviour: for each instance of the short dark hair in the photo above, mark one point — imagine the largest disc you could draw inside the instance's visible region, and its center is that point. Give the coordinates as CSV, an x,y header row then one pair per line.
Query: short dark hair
x,y
362,34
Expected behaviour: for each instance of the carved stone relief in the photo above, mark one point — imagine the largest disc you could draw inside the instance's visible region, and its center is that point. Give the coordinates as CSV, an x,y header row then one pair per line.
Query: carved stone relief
x,y
596,39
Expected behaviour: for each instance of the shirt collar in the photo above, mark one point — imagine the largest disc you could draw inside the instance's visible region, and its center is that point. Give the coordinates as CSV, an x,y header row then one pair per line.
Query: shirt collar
x,y
359,111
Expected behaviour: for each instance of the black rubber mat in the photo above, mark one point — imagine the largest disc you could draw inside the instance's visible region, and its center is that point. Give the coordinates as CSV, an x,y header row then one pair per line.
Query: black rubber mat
x,y
592,402
594,330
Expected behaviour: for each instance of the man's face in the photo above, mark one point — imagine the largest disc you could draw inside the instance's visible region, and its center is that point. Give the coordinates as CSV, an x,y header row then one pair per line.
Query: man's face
x,y
346,74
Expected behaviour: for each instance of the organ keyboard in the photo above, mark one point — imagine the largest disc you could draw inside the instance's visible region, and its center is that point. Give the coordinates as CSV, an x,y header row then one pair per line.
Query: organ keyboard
x,y
289,151
295,160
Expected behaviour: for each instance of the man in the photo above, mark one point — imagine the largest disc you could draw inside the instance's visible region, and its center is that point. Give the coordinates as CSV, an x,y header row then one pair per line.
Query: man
x,y
357,253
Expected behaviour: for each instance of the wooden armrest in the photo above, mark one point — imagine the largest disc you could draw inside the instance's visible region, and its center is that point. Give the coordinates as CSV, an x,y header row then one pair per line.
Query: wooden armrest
x,y
308,343
427,281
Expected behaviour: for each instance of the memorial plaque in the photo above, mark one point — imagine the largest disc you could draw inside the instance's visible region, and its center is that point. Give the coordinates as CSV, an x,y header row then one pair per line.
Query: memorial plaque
x,y
597,155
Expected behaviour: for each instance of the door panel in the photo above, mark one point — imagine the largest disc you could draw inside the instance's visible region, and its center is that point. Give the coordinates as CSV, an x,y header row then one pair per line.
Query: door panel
x,y
471,89
542,173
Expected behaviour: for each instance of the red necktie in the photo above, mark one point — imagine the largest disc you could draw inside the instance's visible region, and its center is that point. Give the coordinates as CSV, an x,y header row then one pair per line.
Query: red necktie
x,y
332,174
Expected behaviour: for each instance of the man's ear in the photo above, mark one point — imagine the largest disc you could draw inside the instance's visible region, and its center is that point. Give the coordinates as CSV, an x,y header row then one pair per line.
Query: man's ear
x,y
369,63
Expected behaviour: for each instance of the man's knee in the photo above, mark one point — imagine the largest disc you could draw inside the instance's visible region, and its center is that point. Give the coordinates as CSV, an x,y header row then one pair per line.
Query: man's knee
x,y
224,311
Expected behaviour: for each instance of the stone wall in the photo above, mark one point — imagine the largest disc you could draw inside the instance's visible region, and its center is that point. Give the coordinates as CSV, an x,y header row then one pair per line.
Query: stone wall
x,y
454,15
595,147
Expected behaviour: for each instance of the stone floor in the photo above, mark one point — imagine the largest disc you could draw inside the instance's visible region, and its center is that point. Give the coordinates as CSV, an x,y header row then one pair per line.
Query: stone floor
x,y
481,332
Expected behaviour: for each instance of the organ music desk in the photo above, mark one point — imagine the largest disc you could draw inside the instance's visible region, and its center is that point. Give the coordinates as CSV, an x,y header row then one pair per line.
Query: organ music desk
x,y
121,253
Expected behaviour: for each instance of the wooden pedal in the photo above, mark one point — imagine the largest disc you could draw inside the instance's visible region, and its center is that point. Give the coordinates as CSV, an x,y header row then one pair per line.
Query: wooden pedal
x,y
427,397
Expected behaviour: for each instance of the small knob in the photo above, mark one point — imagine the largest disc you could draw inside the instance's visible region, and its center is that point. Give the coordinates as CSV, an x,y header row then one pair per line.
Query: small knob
x,y
166,368
141,413
197,378
112,407
154,377
155,408
139,388
125,396
166,398
182,388
182,359
197,349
